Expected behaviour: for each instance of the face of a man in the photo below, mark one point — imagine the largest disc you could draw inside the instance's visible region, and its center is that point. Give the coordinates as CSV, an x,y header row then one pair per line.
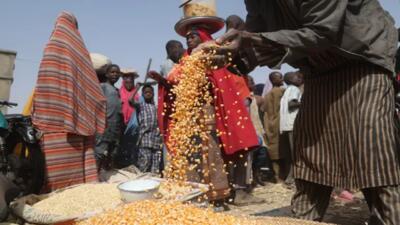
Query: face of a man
x,y
193,40
175,52
277,79
113,75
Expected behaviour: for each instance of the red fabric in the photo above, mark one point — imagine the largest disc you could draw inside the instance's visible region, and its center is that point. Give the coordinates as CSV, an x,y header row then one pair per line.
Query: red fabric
x,y
232,119
239,82
125,95
164,110
241,85
204,35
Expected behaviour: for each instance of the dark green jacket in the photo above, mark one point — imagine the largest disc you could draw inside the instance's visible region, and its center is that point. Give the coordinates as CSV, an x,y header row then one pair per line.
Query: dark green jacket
x,y
298,29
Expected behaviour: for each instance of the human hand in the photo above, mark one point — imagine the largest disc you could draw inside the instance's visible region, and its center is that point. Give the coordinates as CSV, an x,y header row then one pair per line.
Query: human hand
x,y
153,75
226,47
138,84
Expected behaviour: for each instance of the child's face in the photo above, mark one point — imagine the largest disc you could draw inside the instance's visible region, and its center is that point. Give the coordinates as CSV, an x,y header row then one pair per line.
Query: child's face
x,y
113,75
148,94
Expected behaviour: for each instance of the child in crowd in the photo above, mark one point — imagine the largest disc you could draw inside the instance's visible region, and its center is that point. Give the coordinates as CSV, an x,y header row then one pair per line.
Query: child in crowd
x,y
107,144
290,104
150,142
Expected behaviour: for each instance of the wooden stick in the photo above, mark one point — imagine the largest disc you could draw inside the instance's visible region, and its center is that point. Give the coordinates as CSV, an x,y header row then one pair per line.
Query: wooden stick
x,y
145,78
147,71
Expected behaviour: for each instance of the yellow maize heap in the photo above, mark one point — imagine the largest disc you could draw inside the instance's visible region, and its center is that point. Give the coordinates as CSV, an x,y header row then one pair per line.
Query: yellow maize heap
x,y
168,213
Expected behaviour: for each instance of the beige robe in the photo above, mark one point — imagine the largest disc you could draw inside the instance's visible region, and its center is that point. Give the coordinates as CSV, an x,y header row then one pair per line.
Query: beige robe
x,y
271,108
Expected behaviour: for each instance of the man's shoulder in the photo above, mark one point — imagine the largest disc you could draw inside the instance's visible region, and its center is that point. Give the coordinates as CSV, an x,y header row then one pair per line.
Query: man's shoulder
x,y
277,90
107,85
292,88
104,86
167,63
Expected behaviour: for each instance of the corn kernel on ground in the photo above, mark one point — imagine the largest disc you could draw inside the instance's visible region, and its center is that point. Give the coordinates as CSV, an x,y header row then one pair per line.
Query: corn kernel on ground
x,y
171,190
152,212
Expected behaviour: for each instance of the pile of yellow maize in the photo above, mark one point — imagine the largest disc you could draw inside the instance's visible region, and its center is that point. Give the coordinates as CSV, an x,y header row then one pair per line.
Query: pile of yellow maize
x,y
168,213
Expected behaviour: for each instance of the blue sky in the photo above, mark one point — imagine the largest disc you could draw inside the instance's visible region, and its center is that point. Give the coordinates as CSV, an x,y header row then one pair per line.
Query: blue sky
x,y
127,31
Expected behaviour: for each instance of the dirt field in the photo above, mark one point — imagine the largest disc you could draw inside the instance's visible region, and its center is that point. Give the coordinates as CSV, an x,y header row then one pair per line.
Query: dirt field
x,y
278,204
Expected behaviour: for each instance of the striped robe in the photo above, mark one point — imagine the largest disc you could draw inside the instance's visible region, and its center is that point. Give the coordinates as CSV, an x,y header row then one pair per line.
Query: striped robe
x,y
68,107
69,159
345,133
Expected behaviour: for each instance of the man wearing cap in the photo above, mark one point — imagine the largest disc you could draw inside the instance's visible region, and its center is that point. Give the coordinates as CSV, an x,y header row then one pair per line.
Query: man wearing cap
x,y
100,63
345,134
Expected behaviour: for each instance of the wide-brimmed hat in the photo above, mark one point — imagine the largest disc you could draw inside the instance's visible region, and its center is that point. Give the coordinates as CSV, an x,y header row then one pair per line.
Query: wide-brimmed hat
x,y
211,24
130,71
99,60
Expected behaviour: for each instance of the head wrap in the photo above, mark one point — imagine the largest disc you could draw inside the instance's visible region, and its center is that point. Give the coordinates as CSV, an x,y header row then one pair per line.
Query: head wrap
x,y
202,33
68,97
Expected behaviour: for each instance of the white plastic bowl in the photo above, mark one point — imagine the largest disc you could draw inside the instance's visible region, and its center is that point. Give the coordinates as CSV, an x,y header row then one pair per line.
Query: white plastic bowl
x,y
140,189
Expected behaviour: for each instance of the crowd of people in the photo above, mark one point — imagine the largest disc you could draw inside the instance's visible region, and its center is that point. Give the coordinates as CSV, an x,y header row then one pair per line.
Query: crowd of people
x,y
128,131
329,124
148,152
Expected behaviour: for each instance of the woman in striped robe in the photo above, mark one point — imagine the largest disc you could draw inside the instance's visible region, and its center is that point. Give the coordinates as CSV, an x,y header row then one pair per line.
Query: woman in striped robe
x,y
68,107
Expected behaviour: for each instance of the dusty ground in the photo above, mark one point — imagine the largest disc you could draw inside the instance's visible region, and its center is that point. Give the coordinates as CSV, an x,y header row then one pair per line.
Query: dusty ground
x,y
278,204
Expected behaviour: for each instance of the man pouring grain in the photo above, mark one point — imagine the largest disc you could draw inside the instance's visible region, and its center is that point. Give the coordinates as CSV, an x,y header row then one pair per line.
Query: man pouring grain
x,y
344,134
